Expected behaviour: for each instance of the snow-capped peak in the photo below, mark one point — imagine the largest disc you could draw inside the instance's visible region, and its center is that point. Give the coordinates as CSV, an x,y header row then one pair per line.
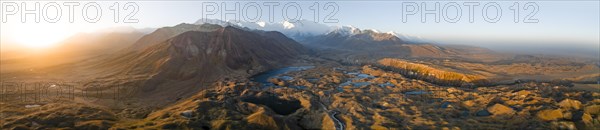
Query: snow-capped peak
x,y
288,25
392,33
261,24
302,28
373,30
346,30
212,21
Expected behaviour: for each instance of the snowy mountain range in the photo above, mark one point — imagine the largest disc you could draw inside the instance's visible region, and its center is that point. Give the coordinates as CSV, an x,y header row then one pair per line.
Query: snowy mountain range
x,y
302,29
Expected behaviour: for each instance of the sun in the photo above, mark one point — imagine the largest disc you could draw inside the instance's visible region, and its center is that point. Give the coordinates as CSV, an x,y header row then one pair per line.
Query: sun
x,y
39,35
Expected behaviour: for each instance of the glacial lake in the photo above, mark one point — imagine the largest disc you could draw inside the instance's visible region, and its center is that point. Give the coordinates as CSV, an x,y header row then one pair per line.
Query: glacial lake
x,y
264,77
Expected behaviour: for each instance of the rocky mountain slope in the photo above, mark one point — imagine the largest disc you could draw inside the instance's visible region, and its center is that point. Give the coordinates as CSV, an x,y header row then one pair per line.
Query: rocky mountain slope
x,y
162,34
184,63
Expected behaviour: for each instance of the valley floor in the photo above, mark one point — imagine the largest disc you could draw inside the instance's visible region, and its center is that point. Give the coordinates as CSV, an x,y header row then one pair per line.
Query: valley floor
x,y
326,95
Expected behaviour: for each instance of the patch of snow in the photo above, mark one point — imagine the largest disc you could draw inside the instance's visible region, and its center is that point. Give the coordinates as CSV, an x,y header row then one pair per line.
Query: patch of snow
x,y
288,25
373,30
32,106
346,30
261,24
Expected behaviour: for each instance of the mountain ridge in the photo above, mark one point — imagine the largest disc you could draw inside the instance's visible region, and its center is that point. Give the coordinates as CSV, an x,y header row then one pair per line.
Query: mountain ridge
x,y
193,58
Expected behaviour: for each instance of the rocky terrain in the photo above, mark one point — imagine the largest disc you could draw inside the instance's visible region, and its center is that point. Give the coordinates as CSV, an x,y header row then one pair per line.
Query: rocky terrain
x,y
359,97
370,98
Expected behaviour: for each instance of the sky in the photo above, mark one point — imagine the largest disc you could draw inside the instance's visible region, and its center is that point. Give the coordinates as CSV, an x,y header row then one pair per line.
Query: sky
x,y
563,23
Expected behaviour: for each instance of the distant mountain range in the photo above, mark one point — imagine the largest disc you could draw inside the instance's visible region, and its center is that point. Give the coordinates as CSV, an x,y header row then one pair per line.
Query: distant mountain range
x,y
321,36
350,37
302,29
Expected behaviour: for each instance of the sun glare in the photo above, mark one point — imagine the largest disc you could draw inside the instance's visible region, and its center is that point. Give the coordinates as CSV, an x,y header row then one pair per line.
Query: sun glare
x,y
39,35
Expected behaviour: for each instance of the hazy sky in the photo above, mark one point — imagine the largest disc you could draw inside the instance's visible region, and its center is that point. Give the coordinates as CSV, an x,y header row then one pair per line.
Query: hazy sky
x,y
572,23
